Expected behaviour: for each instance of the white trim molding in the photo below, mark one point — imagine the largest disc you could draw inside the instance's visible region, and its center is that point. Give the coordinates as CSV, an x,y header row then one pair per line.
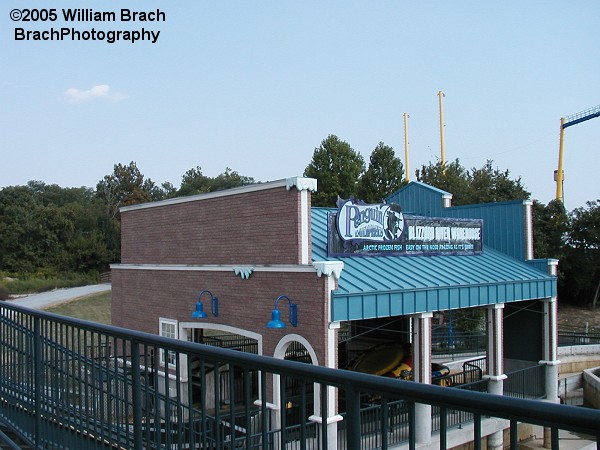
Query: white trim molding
x,y
214,268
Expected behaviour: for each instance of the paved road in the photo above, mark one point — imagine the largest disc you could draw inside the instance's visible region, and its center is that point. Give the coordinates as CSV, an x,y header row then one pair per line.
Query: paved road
x,y
46,299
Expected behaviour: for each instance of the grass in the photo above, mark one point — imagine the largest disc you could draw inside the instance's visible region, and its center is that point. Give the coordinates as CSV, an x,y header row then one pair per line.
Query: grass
x,y
28,284
95,307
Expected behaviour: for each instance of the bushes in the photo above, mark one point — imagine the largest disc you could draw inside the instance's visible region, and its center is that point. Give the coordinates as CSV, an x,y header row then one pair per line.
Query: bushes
x,y
34,283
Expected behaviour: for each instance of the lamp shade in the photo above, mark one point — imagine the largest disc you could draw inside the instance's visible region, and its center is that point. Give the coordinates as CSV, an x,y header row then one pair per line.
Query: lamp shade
x,y
199,312
275,321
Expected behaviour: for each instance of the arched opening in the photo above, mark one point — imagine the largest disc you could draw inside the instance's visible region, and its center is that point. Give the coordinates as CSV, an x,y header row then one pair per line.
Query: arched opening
x,y
224,385
297,397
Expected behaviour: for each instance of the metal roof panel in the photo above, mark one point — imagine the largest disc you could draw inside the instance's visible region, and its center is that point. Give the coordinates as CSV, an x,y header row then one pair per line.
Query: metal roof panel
x,y
383,286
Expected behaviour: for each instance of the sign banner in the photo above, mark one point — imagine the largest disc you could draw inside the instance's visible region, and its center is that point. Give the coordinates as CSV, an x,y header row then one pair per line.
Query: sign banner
x,y
359,229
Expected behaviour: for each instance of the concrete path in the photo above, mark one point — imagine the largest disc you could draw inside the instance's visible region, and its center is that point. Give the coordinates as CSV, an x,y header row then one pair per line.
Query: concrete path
x,y
45,299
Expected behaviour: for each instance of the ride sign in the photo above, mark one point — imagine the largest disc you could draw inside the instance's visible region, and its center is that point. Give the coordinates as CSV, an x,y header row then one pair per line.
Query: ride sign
x,y
360,229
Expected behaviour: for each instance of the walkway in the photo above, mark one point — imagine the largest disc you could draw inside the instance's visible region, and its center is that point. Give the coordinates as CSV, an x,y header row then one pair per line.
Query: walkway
x,y
45,299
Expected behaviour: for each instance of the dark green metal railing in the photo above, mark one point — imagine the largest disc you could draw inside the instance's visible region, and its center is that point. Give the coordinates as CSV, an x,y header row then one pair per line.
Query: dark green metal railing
x,y
71,384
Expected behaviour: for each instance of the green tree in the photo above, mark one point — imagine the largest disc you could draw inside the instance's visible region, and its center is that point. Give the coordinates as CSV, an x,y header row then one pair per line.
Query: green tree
x,y
337,167
475,186
580,264
450,177
49,229
194,182
550,225
125,186
488,185
383,177
229,179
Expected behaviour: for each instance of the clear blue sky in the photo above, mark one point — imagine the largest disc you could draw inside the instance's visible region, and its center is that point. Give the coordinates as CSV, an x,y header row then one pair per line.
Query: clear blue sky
x,y
257,85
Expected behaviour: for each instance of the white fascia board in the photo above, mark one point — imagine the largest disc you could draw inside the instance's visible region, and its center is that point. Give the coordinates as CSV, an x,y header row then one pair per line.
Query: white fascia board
x,y
214,268
209,195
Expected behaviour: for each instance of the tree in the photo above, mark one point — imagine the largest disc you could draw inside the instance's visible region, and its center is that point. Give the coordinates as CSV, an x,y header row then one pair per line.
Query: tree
x,y
488,185
475,186
49,229
194,182
450,177
337,167
229,179
580,264
125,186
550,225
383,177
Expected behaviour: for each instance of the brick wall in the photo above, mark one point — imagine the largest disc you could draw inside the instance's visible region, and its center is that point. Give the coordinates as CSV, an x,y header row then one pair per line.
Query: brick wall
x,y
141,297
252,228
259,228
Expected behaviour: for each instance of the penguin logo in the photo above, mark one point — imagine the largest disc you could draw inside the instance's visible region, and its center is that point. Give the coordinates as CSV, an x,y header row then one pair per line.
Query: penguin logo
x,y
395,223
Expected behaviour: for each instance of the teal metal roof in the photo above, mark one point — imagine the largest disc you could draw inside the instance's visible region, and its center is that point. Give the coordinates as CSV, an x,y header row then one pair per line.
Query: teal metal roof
x,y
385,286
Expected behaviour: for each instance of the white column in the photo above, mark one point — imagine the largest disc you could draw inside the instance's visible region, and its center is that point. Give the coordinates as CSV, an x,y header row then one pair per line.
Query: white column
x,y
304,186
332,270
421,350
495,362
550,349
550,329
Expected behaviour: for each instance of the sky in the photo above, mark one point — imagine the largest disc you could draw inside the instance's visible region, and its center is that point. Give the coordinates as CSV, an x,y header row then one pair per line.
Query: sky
x,y
257,85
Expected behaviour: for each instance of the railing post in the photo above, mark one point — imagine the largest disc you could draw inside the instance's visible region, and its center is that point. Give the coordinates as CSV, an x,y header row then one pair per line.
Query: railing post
x,y
136,394
353,417
37,383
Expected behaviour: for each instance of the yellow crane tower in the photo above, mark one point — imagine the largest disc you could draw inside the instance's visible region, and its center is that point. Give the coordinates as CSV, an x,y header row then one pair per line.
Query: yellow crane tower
x,y
564,123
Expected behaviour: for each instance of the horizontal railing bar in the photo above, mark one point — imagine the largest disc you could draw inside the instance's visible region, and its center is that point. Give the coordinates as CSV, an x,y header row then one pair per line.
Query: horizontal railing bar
x,y
529,411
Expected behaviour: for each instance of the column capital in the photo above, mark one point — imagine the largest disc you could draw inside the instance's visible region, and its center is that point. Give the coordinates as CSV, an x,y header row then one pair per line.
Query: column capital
x,y
302,184
496,306
423,315
556,362
331,419
495,377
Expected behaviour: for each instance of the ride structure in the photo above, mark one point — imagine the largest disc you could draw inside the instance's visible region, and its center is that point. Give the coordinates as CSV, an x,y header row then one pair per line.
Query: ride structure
x,y
564,123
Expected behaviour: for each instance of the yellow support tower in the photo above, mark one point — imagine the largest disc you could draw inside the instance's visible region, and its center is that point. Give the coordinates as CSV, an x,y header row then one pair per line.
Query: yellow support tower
x,y
406,168
442,139
564,123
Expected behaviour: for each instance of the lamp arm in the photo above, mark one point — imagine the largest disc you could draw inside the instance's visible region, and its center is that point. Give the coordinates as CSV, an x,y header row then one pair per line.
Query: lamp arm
x,y
293,314
201,293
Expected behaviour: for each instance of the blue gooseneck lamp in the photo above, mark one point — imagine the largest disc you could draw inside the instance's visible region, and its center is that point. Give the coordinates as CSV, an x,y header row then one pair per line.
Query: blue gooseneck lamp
x,y
276,321
199,312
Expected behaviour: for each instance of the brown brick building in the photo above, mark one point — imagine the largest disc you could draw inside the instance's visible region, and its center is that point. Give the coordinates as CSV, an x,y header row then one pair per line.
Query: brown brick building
x,y
251,245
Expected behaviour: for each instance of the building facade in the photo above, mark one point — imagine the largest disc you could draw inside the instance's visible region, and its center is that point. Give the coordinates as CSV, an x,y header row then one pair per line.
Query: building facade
x,y
264,253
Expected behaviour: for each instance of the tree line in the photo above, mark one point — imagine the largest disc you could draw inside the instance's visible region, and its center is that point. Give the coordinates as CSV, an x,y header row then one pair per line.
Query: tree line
x,y
47,229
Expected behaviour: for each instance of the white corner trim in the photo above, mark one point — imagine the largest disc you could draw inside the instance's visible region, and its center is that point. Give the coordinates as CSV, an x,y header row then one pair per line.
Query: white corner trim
x,y
304,228
302,184
528,238
329,268
244,272
446,200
